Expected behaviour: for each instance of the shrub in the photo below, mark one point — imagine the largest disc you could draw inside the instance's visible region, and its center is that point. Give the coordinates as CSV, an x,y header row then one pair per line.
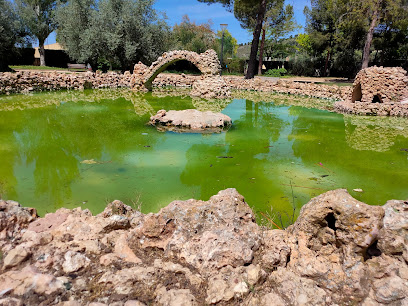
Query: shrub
x,y
276,72
235,65
304,65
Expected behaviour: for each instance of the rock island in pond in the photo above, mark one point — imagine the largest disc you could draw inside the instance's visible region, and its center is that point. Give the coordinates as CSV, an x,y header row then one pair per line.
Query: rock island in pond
x,y
190,121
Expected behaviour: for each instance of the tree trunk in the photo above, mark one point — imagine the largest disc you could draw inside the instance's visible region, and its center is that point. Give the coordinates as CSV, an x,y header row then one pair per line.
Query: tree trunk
x,y
255,40
326,66
261,52
369,39
42,52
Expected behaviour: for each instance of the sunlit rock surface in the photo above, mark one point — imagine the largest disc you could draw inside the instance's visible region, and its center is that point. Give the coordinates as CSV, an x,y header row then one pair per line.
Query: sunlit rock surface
x,y
190,120
212,87
143,76
339,251
379,91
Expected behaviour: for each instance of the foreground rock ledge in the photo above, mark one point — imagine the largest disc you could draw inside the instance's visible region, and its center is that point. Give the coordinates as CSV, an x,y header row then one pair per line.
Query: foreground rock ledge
x,y
190,120
340,251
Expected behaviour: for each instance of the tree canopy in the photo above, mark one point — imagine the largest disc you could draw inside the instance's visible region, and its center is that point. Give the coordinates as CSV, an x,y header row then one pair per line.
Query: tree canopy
x,y
8,32
230,44
37,16
193,37
347,30
251,15
119,32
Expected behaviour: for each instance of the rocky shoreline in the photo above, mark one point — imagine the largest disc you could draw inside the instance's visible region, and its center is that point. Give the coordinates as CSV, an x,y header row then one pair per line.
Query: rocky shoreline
x,y
339,252
29,81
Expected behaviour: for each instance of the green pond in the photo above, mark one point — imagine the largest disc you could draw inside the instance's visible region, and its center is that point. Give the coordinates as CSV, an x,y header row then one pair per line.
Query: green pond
x,y
70,149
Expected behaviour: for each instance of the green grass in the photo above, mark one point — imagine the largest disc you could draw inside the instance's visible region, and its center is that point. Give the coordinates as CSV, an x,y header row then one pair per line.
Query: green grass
x,y
37,68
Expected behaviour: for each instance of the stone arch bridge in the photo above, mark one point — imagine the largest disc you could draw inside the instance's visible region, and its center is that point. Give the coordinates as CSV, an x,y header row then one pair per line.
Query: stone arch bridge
x,y
143,76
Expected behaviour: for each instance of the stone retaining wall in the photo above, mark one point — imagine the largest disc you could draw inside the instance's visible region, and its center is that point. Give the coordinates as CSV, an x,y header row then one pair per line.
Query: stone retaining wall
x,y
379,91
27,81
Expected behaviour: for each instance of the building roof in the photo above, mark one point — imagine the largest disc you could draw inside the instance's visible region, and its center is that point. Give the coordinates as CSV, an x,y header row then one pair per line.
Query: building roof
x,y
55,46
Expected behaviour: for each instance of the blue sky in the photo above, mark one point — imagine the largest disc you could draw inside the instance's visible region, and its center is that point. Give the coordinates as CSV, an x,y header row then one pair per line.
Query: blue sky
x,y
201,12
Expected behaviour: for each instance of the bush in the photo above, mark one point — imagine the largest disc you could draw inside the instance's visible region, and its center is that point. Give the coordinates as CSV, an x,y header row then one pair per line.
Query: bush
x,y
276,72
304,65
235,65
346,64
103,65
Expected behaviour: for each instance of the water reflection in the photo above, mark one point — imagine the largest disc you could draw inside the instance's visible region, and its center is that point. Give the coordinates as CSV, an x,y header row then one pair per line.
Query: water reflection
x,y
352,152
374,133
45,146
284,99
239,157
140,104
276,154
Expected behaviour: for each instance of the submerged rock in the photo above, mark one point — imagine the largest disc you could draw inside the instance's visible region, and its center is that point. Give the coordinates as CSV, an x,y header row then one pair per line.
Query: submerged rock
x,y
190,121
340,251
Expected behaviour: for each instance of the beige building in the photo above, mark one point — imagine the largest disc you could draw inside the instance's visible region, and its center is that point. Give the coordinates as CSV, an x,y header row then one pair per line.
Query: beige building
x,y
55,46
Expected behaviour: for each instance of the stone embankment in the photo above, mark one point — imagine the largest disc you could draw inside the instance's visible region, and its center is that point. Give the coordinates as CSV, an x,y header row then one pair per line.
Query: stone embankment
x,y
379,91
213,87
339,252
27,81
190,120
260,84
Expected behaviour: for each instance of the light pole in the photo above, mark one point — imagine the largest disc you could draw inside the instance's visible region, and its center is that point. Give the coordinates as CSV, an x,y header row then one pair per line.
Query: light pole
x,y
223,28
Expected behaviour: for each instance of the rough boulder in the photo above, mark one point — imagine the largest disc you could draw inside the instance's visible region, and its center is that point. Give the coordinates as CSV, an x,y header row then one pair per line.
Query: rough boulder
x,y
339,252
191,121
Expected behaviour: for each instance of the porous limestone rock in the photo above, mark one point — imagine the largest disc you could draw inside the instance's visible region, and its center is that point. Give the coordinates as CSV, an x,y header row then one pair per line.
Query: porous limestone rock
x,y
15,257
74,261
28,81
175,297
379,91
190,120
340,251
207,62
211,87
13,219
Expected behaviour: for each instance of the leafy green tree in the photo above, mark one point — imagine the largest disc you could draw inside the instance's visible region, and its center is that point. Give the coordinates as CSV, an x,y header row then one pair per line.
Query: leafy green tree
x,y
322,26
251,15
121,32
386,12
8,32
37,16
344,26
279,22
193,37
230,44
304,43
74,18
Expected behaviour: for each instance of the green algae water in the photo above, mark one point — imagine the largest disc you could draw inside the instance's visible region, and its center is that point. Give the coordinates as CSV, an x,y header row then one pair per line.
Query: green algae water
x,y
70,149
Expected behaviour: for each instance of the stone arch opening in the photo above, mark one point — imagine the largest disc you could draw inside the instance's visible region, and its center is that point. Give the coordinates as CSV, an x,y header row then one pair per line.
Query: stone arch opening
x,y
357,93
150,78
184,66
207,63
377,99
